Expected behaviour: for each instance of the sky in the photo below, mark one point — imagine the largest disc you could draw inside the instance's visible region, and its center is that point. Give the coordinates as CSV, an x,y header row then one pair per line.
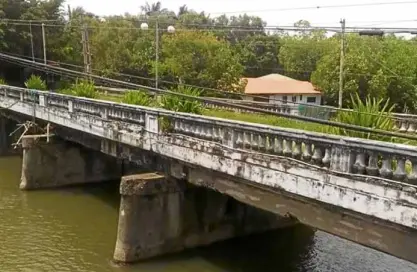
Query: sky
x,y
271,11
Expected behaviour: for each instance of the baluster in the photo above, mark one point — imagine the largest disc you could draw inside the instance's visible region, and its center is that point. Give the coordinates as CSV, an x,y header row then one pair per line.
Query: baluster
x,y
359,165
197,130
287,148
205,132
296,154
177,125
253,141
404,126
278,146
221,133
188,128
306,152
246,140
215,133
327,157
412,127
239,140
261,142
386,168
412,178
269,144
372,168
317,157
400,173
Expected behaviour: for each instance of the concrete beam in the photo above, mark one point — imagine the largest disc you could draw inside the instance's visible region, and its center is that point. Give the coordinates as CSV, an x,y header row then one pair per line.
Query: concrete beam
x,y
59,163
363,229
160,216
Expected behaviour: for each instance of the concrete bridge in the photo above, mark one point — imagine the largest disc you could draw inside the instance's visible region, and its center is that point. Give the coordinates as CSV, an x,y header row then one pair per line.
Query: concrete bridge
x,y
361,190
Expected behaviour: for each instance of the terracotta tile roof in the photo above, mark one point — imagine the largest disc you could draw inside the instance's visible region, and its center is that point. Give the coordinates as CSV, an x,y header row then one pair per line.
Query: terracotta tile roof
x,y
278,84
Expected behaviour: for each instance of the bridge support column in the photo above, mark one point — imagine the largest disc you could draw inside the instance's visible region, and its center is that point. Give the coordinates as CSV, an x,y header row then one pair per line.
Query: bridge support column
x,y
159,216
59,163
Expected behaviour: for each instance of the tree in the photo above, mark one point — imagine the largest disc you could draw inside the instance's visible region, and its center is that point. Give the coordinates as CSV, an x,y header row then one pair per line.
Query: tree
x,y
374,67
259,54
198,58
182,10
119,47
299,54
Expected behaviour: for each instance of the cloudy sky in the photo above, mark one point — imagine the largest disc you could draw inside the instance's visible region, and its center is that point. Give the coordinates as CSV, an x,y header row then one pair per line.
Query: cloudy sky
x,y
397,15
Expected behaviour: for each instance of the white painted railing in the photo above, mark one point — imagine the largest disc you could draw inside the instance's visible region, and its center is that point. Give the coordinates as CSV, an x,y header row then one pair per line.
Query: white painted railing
x,y
341,154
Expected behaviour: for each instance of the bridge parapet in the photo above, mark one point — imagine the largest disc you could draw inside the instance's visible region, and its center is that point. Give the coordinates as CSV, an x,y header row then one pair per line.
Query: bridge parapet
x,y
342,154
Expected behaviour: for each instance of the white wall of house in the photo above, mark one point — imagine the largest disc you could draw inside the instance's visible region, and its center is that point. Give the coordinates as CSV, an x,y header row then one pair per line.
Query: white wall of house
x,y
291,98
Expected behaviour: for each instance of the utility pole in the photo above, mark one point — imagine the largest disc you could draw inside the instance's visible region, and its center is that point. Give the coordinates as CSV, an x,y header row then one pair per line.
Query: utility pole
x,y
157,53
342,61
86,50
44,43
31,41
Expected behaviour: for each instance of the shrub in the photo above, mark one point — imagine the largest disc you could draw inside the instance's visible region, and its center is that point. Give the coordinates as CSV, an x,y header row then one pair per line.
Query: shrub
x,y
182,104
3,81
140,98
35,83
373,113
84,88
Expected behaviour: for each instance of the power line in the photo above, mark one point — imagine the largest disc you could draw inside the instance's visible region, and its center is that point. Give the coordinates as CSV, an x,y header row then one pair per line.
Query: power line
x,y
319,7
50,68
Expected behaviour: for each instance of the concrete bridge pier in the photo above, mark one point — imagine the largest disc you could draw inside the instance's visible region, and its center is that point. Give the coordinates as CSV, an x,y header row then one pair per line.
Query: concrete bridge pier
x,y
161,215
59,163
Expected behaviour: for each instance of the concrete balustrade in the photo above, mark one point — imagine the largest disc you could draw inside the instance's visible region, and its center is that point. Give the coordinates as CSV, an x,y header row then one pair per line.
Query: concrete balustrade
x,y
366,157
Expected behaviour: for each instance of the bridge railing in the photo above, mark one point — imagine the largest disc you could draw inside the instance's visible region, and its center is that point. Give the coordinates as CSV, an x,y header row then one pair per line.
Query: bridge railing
x,y
341,154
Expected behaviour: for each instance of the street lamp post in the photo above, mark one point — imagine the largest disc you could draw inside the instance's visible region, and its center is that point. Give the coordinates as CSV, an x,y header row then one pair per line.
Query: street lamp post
x,y
171,30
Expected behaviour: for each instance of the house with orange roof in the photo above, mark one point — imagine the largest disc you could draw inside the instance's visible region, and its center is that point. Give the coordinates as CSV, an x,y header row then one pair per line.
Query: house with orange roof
x,y
279,89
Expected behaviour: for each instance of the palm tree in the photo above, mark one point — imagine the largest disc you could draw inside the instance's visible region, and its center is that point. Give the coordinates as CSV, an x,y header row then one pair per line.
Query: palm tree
x,y
183,10
153,8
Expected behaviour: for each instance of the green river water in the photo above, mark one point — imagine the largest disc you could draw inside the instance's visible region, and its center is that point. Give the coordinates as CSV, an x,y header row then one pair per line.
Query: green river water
x,y
74,229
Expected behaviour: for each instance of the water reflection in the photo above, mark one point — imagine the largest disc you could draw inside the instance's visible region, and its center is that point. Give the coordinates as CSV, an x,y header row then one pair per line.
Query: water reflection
x,y
74,229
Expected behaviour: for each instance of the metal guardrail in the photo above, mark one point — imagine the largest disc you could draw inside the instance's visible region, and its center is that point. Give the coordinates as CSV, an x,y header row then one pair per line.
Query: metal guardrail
x,y
342,154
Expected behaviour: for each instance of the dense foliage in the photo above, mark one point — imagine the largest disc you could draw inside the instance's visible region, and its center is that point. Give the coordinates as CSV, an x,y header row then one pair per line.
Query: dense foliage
x,y
212,52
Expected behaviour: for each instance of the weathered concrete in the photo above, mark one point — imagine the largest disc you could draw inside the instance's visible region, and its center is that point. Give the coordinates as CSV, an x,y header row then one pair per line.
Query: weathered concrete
x,y
160,216
363,229
60,163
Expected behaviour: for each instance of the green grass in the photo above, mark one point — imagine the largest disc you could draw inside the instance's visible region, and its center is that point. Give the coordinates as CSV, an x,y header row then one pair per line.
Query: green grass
x,y
265,119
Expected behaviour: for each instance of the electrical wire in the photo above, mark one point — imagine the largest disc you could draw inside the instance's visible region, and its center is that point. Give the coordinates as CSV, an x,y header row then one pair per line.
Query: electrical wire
x,y
50,68
320,7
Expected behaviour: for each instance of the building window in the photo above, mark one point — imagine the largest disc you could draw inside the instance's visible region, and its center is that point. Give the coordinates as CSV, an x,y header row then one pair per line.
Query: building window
x,y
294,99
284,99
301,97
311,100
